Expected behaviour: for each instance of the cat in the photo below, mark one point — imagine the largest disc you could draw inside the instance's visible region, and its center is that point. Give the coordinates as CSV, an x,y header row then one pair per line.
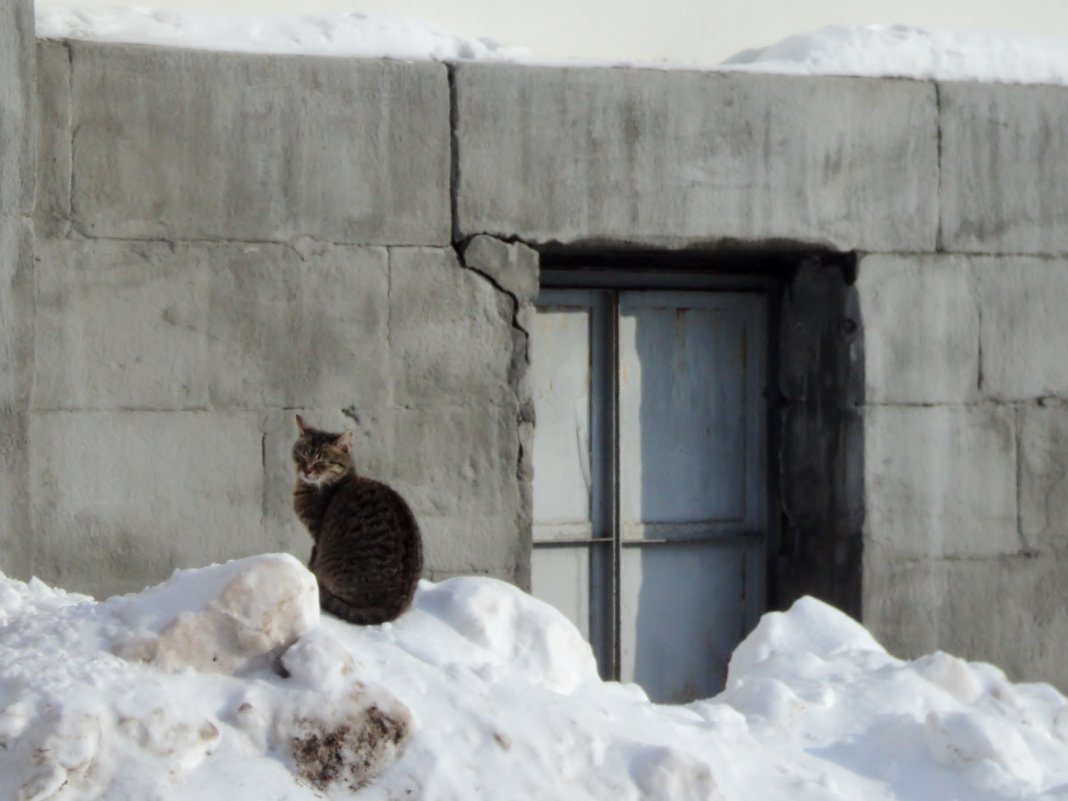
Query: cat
x,y
367,553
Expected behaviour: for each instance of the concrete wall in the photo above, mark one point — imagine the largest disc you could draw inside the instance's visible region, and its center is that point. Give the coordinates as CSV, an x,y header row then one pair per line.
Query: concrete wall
x,y
16,273
223,240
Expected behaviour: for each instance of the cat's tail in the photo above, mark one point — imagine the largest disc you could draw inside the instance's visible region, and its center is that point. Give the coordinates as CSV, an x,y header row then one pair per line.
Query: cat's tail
x,y
360,615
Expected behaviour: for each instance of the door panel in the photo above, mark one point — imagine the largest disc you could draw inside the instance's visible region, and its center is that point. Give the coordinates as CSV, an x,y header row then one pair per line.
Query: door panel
x,y
650,496
560,376
688,453
682,616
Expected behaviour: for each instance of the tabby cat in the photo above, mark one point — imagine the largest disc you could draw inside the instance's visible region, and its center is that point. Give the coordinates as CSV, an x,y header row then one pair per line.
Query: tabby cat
x,y
368,553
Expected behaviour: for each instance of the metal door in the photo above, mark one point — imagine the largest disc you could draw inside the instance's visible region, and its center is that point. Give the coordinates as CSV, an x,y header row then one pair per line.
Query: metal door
x,y
650,505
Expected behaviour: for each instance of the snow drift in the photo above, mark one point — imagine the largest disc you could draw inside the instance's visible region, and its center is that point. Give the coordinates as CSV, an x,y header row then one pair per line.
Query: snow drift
x,y
874,50
225,683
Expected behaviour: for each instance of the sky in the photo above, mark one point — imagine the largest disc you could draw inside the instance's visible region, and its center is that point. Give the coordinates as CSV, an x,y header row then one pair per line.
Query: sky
x,y
699,32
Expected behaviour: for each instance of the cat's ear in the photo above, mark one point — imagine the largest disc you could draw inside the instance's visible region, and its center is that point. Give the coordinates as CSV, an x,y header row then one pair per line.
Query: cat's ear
x,y
302,425
344,442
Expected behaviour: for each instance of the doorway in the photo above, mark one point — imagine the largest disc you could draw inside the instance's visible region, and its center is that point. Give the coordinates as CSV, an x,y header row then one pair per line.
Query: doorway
x,y
650,483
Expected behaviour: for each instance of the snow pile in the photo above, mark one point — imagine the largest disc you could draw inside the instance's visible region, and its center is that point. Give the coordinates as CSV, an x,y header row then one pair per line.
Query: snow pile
x,y
342,34
913,52
235,689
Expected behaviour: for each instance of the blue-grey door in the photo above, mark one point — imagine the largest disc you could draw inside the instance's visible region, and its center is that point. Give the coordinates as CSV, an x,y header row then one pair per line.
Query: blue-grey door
x,y
650,504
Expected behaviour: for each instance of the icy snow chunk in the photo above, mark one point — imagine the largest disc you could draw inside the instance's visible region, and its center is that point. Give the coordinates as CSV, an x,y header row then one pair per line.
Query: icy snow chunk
x,y
515,628
809,628
994,756
667,774
224,618
951,674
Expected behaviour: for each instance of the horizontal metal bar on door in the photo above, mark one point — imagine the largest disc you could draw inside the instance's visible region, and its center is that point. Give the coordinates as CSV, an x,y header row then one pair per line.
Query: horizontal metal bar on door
x,y
714,539
568,543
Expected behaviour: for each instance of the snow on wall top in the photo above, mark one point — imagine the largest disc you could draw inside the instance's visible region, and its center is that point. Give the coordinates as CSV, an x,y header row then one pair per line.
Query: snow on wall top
x,y
871,50
912,52
347,34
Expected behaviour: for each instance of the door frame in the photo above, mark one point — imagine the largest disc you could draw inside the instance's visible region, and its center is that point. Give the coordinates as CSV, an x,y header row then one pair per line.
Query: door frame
x,y
578,276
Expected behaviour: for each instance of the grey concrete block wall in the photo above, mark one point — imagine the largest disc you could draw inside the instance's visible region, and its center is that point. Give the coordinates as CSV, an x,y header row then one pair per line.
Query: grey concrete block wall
x,y
1004,172
217,250
675,158
966,438
225,240
17,98
16,107
184,144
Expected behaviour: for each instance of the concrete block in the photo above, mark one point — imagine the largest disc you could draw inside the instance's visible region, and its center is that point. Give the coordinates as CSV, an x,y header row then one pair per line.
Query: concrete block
x,y
682,158
16,311
1004,175
137,325
16,106
1024,328
373,453
466,497
902,601
16,539
914,608
122,325
287,331
1044,479
921,329
184,144
940,481
450,331
54,135
137,494
513,266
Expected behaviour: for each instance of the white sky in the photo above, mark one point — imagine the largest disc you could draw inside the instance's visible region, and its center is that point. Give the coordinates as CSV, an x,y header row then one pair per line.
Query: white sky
x,y
700,32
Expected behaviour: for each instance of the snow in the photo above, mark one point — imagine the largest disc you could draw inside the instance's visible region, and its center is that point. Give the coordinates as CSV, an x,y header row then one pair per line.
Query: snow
x,y
873,50
339,34
479,692
949,54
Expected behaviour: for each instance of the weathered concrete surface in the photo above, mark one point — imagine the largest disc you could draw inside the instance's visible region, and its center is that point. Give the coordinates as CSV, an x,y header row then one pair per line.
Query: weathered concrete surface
x,y
512,266
677,158
1024,326
144,325
1009,611
16,311
16,107
292,331
923,318
1004,174
458,472
821,446
137,494
53,131
515,268
184,144
16,537
450,332
1044,479
940,481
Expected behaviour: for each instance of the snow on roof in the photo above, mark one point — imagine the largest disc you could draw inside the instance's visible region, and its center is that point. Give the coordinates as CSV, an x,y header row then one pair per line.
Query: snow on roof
x,y
913,52
873,50
225,684
338,34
